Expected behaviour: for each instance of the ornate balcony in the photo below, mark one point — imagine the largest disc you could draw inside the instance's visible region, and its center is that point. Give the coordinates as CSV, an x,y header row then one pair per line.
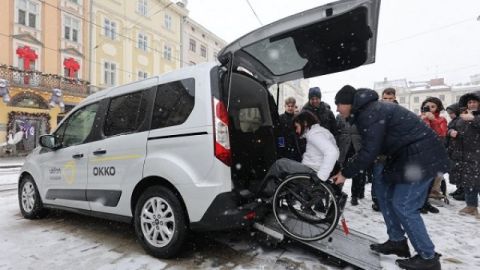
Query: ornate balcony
x,y
46,82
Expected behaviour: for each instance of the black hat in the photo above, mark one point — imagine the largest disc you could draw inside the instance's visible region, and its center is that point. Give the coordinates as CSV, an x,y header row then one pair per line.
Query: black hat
x,y
467,97
345,95
314,92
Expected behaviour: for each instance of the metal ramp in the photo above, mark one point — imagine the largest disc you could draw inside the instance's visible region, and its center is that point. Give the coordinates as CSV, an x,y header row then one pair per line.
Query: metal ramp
x,y
353,248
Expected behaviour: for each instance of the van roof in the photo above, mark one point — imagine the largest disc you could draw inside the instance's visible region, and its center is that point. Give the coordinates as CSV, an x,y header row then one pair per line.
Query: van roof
x,y
149,82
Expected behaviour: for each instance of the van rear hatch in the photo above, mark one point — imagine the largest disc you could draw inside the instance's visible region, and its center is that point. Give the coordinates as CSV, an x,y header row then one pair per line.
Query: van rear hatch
x,y
331,38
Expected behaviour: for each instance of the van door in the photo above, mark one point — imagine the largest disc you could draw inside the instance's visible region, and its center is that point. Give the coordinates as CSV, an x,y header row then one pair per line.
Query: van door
x,y
331,38
116,162
64,170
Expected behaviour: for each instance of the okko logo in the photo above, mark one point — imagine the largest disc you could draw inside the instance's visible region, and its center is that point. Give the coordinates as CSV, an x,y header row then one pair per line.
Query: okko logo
x,y
103,171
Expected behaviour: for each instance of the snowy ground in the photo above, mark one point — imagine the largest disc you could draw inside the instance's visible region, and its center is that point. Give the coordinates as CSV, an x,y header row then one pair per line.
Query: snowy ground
x,y
70,241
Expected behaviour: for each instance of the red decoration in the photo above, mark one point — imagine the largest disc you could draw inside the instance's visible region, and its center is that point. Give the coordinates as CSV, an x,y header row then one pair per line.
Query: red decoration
x,y
72,65
27,55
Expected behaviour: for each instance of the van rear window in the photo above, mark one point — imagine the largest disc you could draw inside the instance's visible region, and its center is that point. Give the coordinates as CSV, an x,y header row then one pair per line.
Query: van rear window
x,y
250,119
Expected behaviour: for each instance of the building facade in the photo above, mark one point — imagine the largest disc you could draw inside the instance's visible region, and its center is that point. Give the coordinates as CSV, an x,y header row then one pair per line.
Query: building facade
x,y
199,44
134,39
43,67
411,94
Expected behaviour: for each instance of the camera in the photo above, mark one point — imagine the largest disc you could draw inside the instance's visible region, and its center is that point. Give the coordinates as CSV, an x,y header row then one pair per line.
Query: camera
x,y
425,109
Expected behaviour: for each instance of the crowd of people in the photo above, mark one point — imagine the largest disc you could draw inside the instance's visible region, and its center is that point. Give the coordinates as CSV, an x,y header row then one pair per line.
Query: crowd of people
x,y
405,156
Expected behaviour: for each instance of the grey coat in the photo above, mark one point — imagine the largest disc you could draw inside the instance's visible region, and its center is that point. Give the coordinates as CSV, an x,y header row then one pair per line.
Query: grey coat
x,y
347,136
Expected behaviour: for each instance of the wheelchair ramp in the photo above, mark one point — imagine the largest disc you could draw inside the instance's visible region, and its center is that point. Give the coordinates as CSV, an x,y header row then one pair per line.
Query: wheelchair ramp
x,y
353,248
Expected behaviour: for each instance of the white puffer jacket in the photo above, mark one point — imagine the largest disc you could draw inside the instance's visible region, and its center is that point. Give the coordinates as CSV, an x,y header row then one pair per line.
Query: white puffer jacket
x,y
322,151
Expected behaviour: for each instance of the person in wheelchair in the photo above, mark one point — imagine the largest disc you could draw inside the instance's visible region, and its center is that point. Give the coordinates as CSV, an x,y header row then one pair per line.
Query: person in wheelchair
x,y
321,152
301,188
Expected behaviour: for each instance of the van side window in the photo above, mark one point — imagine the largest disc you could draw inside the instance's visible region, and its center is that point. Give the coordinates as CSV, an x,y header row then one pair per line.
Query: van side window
x,y
79,125
126,113
173,103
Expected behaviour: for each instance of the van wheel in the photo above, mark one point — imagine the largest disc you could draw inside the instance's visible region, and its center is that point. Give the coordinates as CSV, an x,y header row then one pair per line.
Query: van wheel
x,y
160,222
29,199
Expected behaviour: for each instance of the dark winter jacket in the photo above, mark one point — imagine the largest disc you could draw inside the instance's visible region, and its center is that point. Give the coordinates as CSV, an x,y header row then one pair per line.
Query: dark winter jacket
x,y
291,148
456,109
348,137
325,115
414,152
464,150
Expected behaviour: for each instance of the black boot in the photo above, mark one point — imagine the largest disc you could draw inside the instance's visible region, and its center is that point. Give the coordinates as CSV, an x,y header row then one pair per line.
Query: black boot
x,y
460,196
354,201
399,248
457,191
419,263
427,207
375,207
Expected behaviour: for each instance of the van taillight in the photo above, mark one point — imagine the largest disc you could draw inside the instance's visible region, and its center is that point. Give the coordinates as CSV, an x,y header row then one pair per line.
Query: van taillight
x,y
222,140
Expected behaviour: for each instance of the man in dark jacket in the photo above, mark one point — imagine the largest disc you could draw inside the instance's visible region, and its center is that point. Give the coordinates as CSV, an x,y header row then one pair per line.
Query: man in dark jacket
x,y
321,110
451,145
415,156
349,142
289,147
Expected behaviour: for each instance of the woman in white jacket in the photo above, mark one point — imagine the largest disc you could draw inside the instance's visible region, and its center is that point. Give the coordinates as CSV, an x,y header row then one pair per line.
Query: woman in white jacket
x,y
321,152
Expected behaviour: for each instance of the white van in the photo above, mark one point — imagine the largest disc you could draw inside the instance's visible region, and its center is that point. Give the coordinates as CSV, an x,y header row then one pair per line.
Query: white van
x,y
178,152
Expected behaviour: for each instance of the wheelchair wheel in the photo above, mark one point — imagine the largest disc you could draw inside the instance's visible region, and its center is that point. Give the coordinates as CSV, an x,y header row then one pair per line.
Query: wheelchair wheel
x,y
305,210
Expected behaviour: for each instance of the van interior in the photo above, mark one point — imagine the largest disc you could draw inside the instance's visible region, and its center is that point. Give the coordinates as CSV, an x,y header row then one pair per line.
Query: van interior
x,y
253,130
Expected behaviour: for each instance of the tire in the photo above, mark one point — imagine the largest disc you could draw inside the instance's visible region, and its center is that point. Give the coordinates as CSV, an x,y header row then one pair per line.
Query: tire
x,y
325,226
29,199
161,237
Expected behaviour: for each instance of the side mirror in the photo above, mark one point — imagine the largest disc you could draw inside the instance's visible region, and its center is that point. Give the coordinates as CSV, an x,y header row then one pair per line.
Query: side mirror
x,y
49,141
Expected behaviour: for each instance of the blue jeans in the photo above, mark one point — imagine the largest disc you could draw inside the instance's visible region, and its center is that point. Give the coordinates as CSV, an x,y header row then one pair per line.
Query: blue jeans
x,y
400,204
377,175
471,196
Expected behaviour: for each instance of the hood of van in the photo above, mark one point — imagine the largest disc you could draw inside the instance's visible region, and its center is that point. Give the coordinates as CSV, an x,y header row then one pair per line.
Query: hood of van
x,y
331,38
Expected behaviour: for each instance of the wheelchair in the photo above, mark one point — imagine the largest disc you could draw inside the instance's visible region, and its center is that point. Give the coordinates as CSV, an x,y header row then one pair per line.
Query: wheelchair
x,y
307,208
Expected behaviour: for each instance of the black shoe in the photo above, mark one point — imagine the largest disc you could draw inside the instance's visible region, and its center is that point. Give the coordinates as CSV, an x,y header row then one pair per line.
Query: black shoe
x,y
418,262
399,248
459,196
361,196
354,201
375,207
427,207
455,192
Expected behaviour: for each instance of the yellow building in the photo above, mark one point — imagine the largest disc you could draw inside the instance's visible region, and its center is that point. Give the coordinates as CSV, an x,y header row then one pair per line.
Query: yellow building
x,y
45,46
134,39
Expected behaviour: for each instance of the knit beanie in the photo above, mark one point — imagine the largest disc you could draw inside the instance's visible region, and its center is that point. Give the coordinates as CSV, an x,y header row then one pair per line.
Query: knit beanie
x,y
314,92
345,95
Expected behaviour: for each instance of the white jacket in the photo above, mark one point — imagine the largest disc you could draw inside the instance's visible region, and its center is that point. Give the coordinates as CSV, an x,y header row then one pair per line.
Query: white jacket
x,y
322,151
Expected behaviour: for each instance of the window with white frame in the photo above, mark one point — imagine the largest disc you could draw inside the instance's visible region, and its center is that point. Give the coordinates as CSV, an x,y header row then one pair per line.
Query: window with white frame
x,y
402,100
442,97
215,54
71,28
142,42
203,51
27,11
142,75
167,52
110,28
142,7
109,73
193,45
75,1
168,21
416,99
